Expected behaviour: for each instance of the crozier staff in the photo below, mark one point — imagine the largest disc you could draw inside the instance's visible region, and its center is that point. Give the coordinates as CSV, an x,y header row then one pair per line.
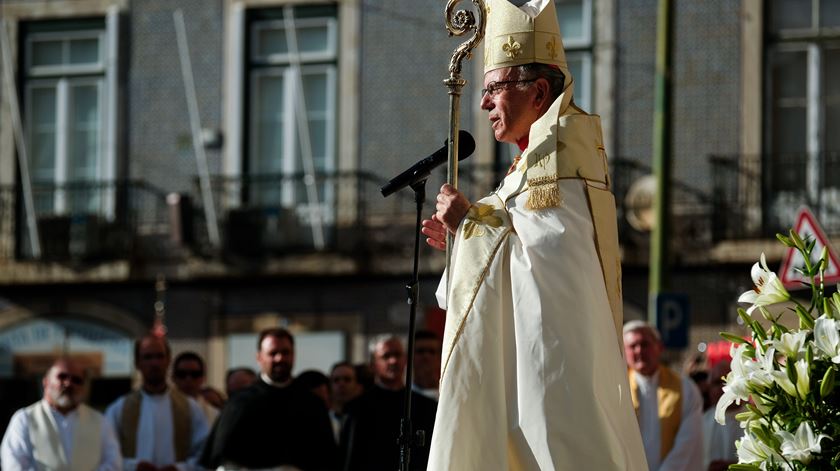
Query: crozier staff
x,y
532,373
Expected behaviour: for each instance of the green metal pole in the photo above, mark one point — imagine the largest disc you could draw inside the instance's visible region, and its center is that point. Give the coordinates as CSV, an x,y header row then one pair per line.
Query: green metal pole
x,y
661,159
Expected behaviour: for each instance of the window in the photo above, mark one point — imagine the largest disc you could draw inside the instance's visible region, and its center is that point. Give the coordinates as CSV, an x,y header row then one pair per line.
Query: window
x,y
575,17
292,134
803,104
66,114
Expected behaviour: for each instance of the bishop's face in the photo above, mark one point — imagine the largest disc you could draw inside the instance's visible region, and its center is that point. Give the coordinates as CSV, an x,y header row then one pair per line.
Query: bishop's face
x,y
511,103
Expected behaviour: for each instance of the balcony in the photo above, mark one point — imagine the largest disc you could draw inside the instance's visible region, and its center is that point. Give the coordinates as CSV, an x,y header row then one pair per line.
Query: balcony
x,y
691,214
83,222
341,214
265,218
756,197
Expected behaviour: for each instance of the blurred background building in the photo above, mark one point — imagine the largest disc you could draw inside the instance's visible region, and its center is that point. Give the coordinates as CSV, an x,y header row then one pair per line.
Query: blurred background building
x,y
303,109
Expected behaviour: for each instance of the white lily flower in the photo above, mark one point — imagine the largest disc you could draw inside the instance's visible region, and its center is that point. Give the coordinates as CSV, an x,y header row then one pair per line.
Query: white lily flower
x,y
826,337
751,450
803,378
791,344
782,380
768,288
745,374
763,376
800,446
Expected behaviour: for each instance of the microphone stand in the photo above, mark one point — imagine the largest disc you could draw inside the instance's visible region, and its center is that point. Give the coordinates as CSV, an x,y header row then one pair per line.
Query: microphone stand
x,y
409,439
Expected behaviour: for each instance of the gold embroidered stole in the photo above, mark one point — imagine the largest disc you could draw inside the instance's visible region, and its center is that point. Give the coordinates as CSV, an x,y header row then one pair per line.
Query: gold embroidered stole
x,y
181,424
564,143
485,227
47,448
669,404
571,146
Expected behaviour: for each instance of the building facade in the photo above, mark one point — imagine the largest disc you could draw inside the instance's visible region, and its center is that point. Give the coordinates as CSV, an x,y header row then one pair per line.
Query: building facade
x,y
225,163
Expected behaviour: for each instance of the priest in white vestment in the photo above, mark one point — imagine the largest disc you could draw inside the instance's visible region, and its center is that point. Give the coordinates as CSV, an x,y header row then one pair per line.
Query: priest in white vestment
x,y
532,372
669,405
59,433
158,427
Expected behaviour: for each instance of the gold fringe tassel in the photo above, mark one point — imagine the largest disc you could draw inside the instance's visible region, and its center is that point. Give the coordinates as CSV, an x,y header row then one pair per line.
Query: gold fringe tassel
x,y
543,193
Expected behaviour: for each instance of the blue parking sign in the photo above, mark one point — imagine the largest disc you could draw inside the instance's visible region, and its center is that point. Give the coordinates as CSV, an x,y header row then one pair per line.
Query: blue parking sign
x,y
672,319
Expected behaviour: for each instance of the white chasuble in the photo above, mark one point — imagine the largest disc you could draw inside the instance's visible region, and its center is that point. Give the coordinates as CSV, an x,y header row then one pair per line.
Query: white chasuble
x,y
532,373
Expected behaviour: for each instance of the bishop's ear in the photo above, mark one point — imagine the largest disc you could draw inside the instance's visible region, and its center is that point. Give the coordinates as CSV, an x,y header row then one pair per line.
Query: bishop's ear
x,y
543,94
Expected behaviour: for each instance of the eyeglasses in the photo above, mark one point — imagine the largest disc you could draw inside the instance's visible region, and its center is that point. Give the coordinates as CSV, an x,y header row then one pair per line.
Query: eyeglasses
x,y
493,88
184,374
77,380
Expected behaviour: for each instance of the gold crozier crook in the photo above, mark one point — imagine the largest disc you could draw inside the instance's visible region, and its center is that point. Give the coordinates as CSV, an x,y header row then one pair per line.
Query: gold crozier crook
x,y
458,23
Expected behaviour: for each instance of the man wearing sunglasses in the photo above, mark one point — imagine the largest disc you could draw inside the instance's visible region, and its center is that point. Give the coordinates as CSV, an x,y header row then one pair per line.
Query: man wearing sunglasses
x,y
189,375
59,432
532,376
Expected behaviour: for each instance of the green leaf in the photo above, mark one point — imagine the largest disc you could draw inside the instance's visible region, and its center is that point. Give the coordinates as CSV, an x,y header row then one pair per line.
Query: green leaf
x,y
743,467
824,258
767,437
805,319
790,368
827,383
732,337
784,240
797,241
809,355
745,416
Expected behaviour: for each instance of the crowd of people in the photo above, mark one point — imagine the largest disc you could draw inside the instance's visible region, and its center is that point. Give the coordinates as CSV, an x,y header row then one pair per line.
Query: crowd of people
x,y
676,412
348,419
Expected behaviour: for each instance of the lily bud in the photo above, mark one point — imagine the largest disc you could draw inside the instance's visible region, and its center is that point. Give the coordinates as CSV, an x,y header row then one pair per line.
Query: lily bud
x,y
827,383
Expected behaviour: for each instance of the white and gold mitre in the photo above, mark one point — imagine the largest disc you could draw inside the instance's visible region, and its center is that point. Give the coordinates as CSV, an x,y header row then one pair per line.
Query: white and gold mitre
x,y
522,35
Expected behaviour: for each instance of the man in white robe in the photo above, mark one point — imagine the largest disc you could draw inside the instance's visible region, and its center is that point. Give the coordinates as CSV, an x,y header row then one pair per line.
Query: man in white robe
x,y
668,405
532,373
59,432
158,427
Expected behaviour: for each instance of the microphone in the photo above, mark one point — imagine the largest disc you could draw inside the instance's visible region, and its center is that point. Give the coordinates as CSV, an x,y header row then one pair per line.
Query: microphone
x,y
422,169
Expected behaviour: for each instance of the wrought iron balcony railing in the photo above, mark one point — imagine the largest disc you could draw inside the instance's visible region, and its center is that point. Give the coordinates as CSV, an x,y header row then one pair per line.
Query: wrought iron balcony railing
x,y
757,196
334,212
82,221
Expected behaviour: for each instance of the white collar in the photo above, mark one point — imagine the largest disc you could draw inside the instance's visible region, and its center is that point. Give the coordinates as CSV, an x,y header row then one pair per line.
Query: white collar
x,y
267,380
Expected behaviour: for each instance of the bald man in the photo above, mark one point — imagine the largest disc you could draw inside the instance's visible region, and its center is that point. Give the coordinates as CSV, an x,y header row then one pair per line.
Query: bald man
x,y
59,432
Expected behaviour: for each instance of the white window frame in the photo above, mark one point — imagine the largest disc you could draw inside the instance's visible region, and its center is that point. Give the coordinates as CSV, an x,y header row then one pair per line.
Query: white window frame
x,y
326,61
583,96
63,142
584,41
581,47
812,41
102,74
289,164
65,38
329,54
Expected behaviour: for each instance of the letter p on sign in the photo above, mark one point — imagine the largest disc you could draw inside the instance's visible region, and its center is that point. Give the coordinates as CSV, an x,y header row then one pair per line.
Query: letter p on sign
x,y
673,319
